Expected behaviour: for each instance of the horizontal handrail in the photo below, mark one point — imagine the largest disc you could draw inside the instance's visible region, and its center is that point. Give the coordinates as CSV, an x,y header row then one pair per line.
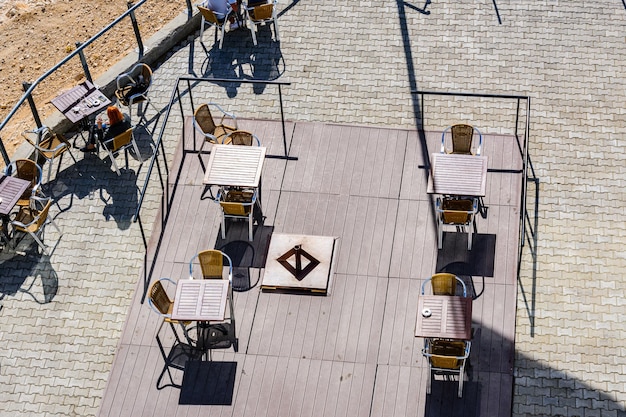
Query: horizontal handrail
x,y
465,94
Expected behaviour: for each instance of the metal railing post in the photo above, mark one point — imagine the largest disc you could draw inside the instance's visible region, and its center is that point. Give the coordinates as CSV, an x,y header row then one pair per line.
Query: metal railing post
x,y
133,20
31,103
83,62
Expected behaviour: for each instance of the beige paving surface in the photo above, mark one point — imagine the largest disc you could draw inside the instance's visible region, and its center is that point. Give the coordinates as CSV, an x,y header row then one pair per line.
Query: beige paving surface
x,y
356,63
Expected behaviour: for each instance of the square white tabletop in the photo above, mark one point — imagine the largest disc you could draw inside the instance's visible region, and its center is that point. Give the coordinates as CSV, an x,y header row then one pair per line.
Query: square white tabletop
x,y
200,299
235,166
454,174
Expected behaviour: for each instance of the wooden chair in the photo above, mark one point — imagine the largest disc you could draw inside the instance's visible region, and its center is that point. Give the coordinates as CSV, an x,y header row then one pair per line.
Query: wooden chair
x,y
33,219
241,137
260,15
237,204
460,213
208,17
213,132
446,357
462,137
180,352
121,142
444,283
49,145
27,170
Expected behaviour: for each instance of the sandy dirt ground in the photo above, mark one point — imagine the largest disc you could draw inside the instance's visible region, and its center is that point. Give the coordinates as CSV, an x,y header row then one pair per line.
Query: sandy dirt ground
x,y
37,34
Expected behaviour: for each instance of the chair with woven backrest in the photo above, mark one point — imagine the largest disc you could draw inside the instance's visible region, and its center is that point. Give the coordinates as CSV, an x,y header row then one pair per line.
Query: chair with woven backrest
x,y
241,137
213,132
237,204
49,145
261,14
462,137
444,283
209,18
119,143
161,303
446,357
133,86
27,170
33,219
457,212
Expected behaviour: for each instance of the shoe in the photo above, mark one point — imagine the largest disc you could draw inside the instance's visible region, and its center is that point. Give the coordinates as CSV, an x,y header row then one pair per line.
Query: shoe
x,y
88,148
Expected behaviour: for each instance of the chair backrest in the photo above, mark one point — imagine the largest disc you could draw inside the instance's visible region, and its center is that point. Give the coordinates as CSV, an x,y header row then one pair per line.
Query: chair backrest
x,y
209,16
443,284
122,140
134,83
446,354
211,264
237,203
159,298
27,170
204,119
42,214
462,138
241,137
262,12
457,211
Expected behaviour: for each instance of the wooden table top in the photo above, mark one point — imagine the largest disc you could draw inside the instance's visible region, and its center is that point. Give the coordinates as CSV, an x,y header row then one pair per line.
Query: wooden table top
x,y
453,174
450,317
11,189
235,166
81,101
200,299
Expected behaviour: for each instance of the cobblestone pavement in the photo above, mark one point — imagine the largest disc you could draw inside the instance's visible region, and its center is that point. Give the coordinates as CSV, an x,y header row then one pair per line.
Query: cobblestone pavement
x,y
356,63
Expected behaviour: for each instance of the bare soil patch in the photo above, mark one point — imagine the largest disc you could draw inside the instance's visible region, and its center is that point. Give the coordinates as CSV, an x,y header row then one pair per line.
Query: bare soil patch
x,y
37,34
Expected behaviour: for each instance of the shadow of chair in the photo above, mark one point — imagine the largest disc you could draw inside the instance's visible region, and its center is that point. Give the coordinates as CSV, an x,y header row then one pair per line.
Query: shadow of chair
x,y
33,219
237,204
444,284
462,140
457,212
262,14
204,123
132,88
446,357
49,145
27,170
119,143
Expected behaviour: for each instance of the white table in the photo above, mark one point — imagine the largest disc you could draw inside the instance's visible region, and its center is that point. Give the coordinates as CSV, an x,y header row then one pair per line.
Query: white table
x,y
454,174
235,166
444,316
200,300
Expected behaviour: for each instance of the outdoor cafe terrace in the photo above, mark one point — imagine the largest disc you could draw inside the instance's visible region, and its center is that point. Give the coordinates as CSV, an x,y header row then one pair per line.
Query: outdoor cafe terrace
x,y
352,352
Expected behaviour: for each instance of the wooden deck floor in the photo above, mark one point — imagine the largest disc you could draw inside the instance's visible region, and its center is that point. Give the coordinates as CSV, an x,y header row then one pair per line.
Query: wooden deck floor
x,y
351,353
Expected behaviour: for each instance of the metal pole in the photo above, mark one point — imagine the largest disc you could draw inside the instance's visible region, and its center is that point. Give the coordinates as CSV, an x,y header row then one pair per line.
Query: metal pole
x,y
83,62
282,119
136,29
31,103
5,155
